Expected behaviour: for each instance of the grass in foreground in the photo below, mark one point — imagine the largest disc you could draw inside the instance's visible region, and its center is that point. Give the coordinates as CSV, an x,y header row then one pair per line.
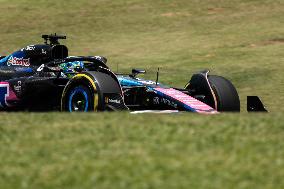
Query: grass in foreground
x,y
119,150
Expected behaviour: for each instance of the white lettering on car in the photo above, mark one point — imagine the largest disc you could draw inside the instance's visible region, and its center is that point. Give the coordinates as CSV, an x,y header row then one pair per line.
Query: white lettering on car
x,y
114,101
14,61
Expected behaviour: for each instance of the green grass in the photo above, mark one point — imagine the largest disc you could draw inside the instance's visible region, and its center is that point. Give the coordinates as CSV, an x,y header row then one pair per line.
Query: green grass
x,y
119,150
239,39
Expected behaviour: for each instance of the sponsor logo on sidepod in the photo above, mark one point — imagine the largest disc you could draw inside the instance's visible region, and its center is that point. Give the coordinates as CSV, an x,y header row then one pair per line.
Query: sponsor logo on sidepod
x,y
14,61
114,101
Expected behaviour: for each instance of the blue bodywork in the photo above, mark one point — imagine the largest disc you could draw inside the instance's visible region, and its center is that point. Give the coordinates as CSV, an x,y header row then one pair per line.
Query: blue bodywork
x,y
17,54
130,81
3,61
173,102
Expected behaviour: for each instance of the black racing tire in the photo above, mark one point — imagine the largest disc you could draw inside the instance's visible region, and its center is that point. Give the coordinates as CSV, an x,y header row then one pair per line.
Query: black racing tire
x,y
226,94
78,98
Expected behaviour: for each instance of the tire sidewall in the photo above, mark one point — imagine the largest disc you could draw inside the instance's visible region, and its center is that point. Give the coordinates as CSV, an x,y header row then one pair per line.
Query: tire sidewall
x,y
226,94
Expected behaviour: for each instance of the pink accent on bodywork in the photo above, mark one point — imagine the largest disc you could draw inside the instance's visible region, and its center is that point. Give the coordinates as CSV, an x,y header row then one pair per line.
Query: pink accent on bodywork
x,y
11,95
199,106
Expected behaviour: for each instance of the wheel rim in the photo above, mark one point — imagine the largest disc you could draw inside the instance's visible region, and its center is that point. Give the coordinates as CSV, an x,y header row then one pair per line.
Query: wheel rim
x,y
78,101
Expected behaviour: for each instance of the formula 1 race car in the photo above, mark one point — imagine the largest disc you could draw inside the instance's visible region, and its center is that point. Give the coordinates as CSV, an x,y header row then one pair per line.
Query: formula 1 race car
x,y
45,78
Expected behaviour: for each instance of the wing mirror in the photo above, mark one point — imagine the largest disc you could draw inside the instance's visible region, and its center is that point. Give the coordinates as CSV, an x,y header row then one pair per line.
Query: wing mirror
x,y
136,72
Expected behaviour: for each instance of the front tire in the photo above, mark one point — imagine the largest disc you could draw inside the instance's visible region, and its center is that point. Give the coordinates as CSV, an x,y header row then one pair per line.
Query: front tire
x,y
78,98
226,94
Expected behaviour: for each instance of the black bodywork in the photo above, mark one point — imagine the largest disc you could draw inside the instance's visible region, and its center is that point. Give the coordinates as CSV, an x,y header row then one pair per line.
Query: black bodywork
x,y
34,75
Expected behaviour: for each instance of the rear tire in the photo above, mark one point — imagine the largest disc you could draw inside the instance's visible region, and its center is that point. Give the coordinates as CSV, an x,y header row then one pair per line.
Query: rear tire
x,y
226,94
